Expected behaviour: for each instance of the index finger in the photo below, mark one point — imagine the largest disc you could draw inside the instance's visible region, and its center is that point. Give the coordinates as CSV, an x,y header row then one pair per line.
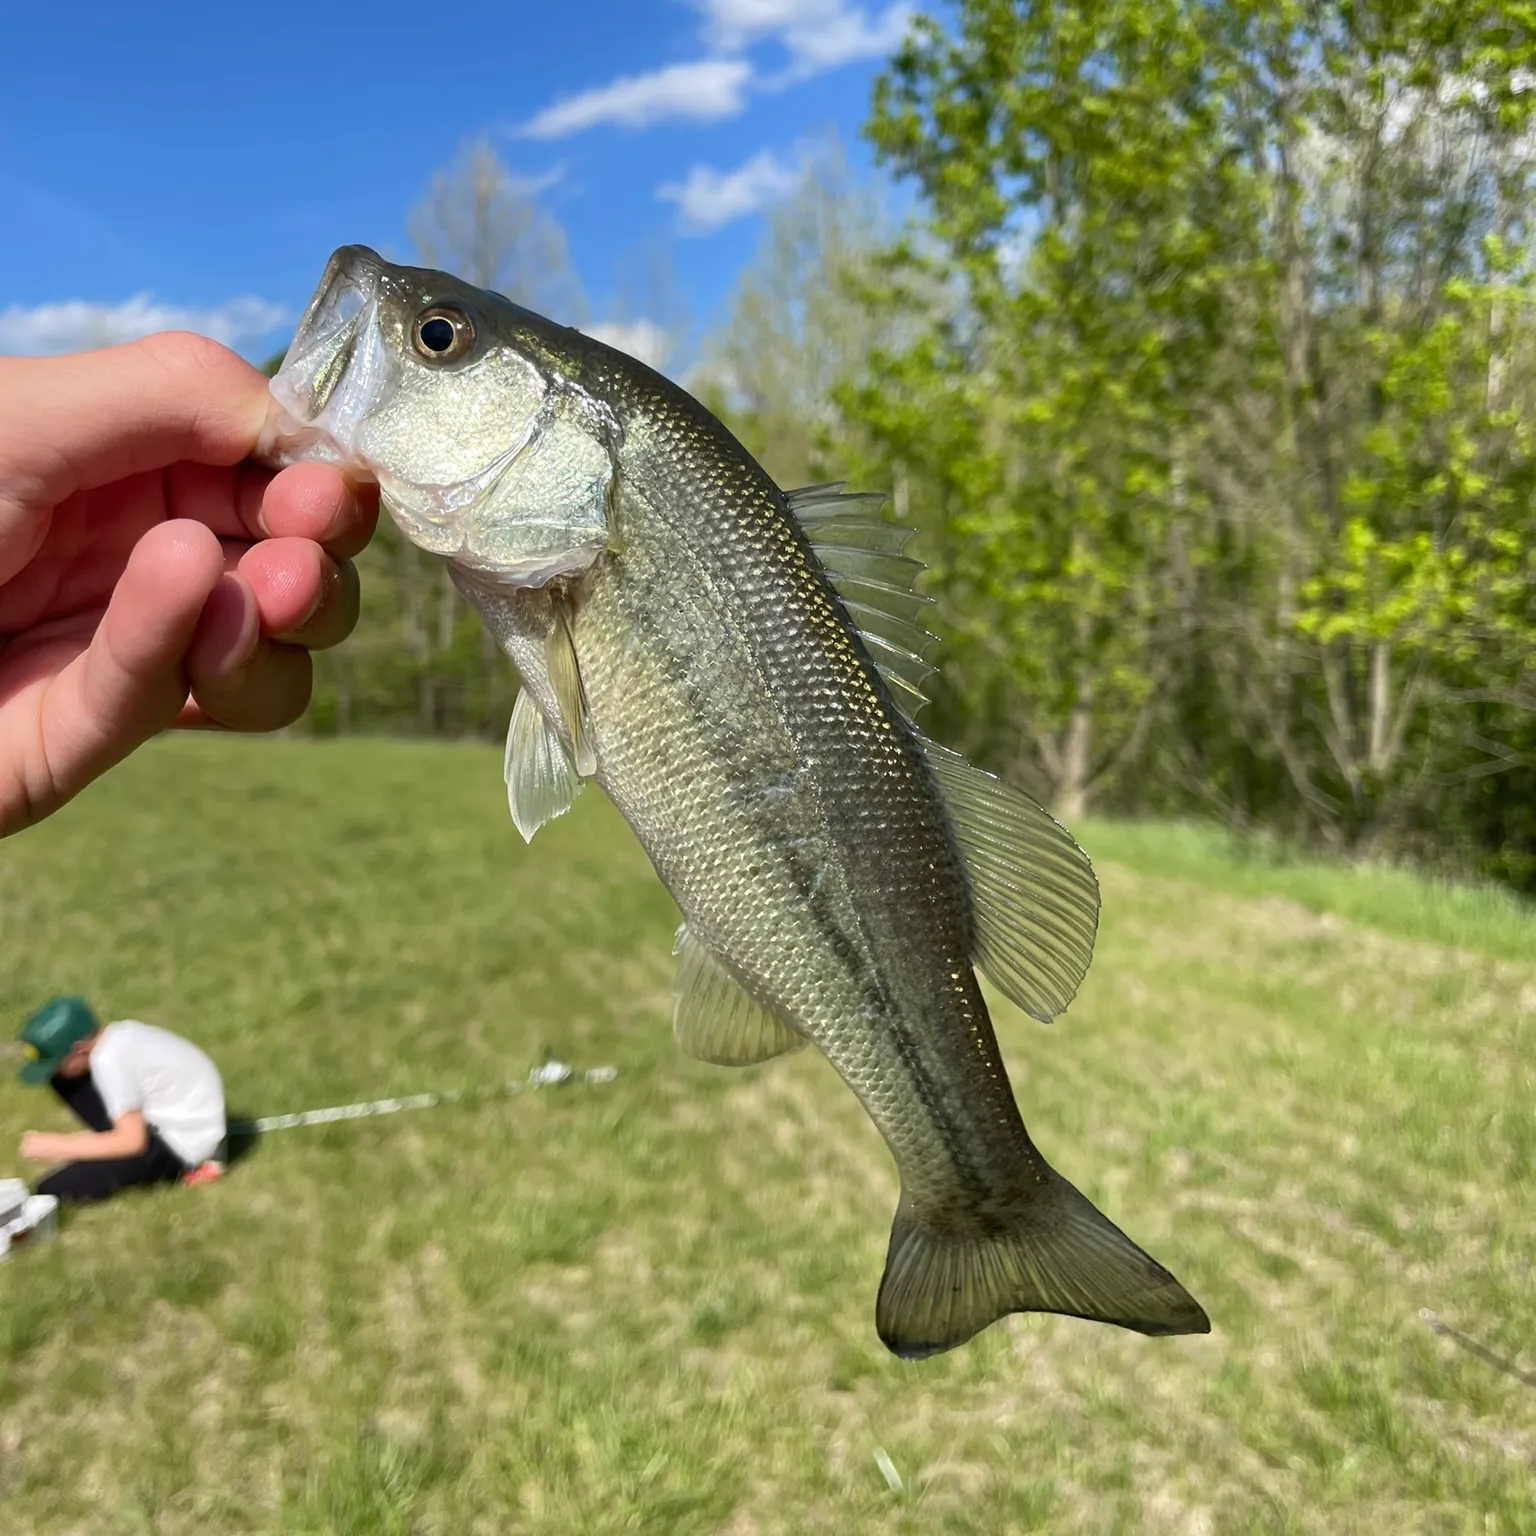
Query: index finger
x,y
304,501
74,423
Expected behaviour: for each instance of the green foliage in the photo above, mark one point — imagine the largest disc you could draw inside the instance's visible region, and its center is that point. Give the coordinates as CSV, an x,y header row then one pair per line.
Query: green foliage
x,y
1435,551
1086,223
1214,395
420,662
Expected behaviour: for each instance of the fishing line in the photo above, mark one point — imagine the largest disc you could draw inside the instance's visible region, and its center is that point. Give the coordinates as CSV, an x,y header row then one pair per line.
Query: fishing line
x,y
546,1076
1472,1347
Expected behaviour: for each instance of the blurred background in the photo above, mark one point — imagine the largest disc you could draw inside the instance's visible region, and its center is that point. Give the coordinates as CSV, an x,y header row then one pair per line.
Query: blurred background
x,y
1193,338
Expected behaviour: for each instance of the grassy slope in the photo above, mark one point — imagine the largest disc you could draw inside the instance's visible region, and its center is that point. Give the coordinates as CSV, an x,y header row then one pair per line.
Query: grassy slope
x,y
649,1305
1484,918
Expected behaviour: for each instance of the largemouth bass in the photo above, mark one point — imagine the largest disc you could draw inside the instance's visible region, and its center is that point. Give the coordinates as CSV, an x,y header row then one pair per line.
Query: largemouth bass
x,y
738,668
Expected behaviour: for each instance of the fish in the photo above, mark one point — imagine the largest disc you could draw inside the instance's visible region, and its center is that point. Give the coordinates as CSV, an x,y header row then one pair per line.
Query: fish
x,y
739,668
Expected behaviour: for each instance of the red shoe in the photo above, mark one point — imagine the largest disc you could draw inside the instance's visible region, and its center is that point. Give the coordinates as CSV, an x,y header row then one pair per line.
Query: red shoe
x,y
204,1173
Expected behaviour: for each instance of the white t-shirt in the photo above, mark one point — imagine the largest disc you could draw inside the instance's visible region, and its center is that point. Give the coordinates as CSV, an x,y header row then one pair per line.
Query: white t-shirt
x,y
167,1079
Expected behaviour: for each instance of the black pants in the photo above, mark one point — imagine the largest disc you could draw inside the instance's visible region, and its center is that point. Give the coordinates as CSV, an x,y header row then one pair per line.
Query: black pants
x,y
81,1183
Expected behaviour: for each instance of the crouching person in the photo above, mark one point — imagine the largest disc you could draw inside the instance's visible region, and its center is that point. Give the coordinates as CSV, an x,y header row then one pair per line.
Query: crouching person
x,y
151,1102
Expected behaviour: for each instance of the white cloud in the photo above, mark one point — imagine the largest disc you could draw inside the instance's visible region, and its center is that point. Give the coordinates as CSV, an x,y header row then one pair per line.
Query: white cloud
x,y
540,181
709,198
704,92
845,36
818,34
735,23
640,338
74,325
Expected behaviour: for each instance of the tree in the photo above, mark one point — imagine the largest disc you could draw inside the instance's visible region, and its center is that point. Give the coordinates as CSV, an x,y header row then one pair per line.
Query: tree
x,y
478,222
793,329
1223,403
1082,203
1393,141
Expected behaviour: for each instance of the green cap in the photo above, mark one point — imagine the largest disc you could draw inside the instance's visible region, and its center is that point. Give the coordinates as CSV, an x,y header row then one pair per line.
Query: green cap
x,y
51,1033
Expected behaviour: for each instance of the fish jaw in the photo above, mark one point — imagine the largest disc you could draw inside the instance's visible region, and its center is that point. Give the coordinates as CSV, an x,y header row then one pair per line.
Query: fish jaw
x,y
497,464
332,373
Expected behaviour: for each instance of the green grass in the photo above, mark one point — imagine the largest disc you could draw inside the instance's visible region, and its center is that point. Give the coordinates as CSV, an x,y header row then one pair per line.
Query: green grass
x,y
648,1306
1485,918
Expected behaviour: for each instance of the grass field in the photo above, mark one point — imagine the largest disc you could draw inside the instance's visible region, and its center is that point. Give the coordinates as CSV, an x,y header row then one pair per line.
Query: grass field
x,y
648,1306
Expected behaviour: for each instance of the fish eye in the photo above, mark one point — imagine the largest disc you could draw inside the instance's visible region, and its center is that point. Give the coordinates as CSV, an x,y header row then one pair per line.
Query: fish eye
x,y
441,334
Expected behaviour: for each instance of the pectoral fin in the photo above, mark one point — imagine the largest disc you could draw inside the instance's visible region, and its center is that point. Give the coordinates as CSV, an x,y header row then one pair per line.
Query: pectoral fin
x,y
565,679
542,783
714,1020
1034,897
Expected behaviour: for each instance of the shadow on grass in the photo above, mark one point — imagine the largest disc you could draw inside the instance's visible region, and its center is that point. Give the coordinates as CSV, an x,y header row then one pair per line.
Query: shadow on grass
x,y
242,1140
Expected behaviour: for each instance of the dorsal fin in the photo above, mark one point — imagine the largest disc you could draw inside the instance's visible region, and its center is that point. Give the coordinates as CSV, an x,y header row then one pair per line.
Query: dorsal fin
x,y
1034,896
832,516
861,554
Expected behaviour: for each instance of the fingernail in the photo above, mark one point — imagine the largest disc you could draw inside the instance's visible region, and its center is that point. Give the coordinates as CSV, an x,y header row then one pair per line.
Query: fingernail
x,y
330,579
243,658
232,614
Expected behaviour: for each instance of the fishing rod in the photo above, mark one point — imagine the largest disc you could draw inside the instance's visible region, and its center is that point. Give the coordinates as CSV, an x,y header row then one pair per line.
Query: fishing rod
x,y
547,1075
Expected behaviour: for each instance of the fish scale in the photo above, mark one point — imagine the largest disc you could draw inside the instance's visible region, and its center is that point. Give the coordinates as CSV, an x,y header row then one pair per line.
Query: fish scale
x,y
682,640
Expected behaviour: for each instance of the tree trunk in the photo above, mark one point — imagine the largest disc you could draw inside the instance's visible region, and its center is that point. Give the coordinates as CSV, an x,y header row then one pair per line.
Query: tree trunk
x,y
1380,695
418,639
490,670
1075,763
447,611
344,694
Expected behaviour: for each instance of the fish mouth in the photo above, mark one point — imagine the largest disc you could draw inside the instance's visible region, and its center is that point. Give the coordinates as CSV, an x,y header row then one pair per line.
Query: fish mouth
x,y
334,370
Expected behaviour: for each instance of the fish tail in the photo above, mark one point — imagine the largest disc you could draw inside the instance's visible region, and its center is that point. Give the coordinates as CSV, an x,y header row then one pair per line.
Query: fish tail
x,y
1053,1252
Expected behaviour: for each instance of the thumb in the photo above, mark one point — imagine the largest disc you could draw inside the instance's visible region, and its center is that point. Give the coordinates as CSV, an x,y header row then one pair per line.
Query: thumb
x,y
130,683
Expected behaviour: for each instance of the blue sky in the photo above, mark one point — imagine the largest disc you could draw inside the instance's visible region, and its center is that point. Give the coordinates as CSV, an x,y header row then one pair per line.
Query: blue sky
x,y
195,164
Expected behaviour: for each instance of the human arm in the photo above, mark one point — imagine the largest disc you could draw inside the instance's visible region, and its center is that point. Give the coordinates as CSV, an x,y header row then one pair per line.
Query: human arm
x,y
150,575
128,1137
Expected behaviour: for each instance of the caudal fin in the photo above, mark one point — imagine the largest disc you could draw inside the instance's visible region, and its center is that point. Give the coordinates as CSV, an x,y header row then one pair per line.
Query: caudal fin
x,y
945,1282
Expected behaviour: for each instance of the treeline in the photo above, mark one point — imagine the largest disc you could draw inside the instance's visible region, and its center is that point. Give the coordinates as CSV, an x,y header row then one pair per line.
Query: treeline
x,y
1203,365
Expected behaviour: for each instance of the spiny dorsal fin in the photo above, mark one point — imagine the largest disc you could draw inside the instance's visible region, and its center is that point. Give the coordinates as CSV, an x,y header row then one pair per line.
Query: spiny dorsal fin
x,y
714,1020
542,782
1034,896
832,516
565,679
861,554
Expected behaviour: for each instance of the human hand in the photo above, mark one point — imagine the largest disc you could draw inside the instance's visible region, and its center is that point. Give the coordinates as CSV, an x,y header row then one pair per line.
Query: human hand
x,y
38,1147
149,575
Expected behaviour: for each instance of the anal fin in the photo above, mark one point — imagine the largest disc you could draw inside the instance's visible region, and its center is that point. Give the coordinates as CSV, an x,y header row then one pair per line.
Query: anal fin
x,y
944,1282
714,1020
542,783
